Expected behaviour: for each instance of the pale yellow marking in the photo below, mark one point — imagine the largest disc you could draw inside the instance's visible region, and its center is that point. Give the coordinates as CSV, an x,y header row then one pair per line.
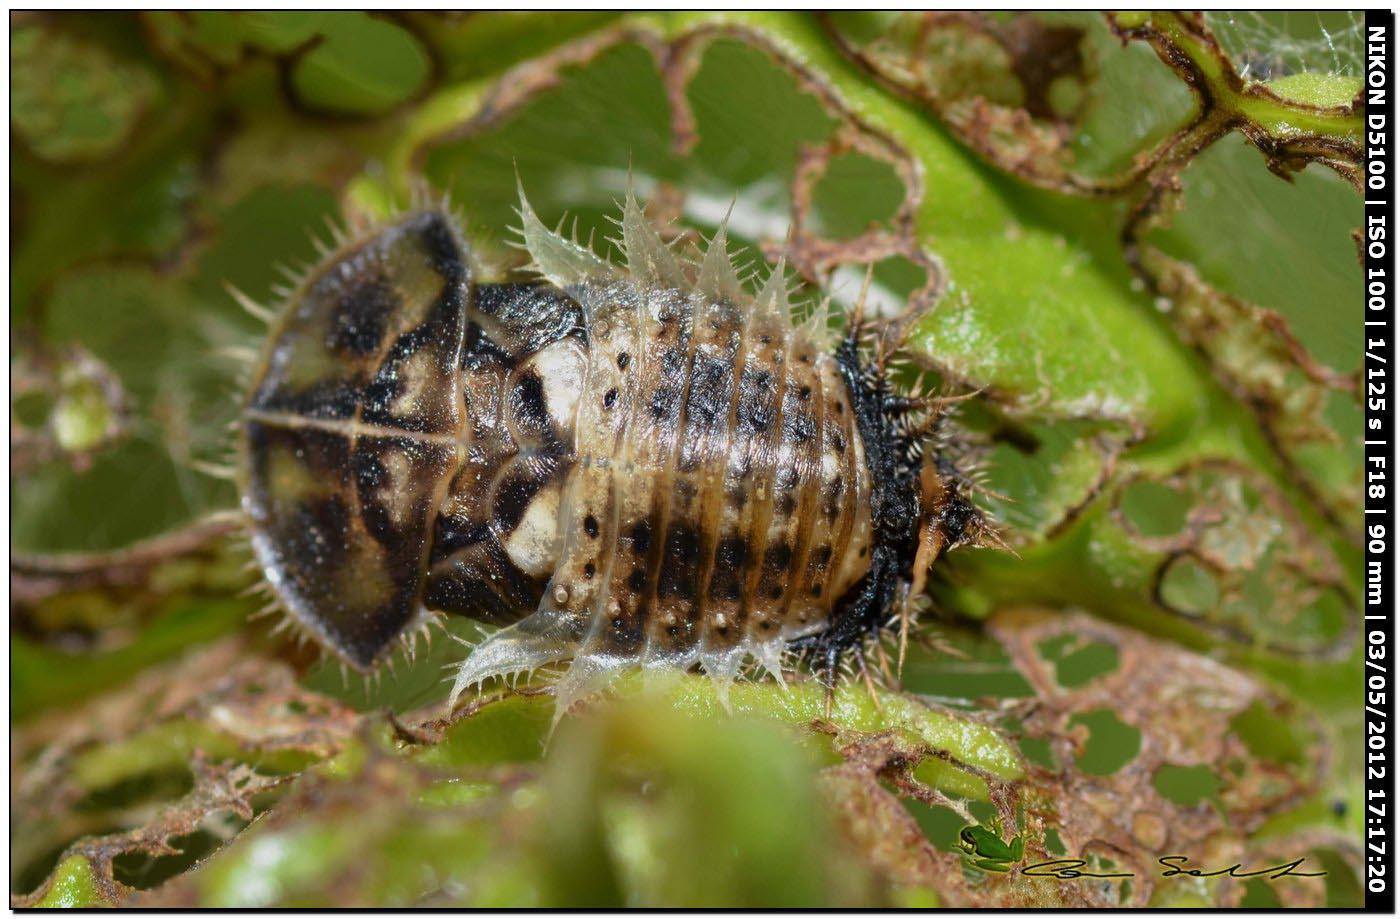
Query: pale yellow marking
x,y
359,578
532,545
562,368
418,283
418,375
400,469
288,476
304,362
346,427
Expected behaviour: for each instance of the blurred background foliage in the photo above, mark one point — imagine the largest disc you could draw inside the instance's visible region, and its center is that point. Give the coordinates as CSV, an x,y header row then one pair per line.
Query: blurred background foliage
x,y
1153,296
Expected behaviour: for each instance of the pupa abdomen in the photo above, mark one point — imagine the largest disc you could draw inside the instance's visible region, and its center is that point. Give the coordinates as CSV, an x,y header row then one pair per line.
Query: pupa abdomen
x,y
683,463
620,466
714,504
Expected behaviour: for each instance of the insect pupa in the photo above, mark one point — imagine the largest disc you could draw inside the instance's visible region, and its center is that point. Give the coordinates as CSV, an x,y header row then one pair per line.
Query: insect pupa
x,y
631,465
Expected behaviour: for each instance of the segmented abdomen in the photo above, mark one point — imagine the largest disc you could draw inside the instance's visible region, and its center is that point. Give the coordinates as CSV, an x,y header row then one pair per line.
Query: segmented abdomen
x,y
719,503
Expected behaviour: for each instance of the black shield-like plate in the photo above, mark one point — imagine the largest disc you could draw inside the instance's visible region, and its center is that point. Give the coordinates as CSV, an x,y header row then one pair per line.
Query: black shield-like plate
x,y
349,434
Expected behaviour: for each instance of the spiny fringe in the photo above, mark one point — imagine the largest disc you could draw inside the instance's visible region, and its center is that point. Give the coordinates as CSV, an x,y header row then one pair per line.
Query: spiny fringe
x,y
561,261
648,257
648,260
249,305
214,470
718,278
421,627
354,231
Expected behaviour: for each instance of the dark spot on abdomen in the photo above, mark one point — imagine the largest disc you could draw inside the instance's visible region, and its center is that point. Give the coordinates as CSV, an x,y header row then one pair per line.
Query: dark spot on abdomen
x,y
731,560
680,563
641,536
732,552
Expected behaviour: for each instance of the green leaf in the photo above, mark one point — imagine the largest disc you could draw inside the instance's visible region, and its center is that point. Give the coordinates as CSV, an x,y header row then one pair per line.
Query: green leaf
x,y
362,66
1151,379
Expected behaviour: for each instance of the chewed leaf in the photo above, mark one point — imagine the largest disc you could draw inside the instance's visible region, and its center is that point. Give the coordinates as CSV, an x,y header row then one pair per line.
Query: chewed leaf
x,y
1077,226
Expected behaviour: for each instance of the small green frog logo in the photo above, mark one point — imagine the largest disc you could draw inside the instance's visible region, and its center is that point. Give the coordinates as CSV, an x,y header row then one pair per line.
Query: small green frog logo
x,y
986,850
